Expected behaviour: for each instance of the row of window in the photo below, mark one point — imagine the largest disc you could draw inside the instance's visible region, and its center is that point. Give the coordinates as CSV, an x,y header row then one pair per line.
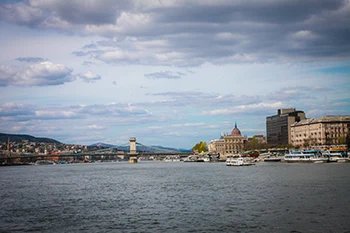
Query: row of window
x,y
327,136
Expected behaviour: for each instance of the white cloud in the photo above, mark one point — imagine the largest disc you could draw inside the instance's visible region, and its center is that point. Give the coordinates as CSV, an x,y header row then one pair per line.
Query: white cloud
x,y
89,77
96,127
164,75
55,114
14,109
39,74
118,55
305,35
218,112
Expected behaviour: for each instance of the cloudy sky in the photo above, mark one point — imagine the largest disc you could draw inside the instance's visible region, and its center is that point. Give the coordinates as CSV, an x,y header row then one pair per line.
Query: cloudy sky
x,y
168,72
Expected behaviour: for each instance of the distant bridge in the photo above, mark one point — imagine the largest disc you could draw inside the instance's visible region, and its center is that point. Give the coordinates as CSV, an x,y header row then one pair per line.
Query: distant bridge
x,y
112,153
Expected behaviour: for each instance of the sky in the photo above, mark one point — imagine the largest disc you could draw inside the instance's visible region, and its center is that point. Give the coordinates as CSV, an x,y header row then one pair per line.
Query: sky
x,y
168,72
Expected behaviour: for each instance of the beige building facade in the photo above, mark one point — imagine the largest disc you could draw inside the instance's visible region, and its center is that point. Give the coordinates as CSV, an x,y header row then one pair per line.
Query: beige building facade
x,y
217,146
324,130
228,144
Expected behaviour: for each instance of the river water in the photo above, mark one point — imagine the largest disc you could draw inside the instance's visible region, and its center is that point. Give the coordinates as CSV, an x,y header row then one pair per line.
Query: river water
x,y
175,197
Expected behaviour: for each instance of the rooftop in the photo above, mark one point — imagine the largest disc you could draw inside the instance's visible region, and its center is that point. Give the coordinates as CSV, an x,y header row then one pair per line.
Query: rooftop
x,y
323,119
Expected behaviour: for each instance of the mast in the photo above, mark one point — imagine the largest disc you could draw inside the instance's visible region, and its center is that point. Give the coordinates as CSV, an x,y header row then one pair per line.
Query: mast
x,y
8,146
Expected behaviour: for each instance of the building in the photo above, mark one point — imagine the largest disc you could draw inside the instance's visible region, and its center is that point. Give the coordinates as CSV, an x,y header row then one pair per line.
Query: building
x,y
232,143
278,127
217,146
324,130
258,137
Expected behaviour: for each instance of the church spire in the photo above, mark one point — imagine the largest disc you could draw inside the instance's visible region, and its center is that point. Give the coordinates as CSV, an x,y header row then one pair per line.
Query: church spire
x,y
235,125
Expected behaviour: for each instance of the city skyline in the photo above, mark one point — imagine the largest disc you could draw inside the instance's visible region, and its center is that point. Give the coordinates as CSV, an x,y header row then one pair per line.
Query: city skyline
x,y
169,73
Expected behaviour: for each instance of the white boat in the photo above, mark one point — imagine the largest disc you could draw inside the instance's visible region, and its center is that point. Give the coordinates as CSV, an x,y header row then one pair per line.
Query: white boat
x,y
206,158
298,156
172,158
238,161
335,156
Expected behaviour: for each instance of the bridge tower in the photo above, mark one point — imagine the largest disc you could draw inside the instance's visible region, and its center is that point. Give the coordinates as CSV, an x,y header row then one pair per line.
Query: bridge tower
x,y
132,153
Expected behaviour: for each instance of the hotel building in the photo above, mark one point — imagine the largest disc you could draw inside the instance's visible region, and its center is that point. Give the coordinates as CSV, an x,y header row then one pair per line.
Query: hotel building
x,y
324,130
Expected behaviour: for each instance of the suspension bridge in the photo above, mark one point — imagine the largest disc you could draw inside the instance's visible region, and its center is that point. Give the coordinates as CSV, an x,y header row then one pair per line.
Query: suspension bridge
x,y
126,151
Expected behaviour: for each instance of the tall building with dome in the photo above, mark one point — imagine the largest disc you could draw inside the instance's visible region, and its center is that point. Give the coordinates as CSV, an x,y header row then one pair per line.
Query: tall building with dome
x,y
234,142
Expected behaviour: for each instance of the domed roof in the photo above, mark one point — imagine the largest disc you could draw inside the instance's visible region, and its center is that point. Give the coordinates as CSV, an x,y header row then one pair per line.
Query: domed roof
x,y
236,131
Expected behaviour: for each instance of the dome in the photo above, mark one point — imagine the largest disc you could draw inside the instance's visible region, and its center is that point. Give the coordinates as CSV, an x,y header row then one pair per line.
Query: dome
x,y
236,131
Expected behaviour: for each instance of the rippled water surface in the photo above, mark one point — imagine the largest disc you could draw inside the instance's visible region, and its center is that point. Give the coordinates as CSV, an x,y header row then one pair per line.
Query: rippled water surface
x,y
175,197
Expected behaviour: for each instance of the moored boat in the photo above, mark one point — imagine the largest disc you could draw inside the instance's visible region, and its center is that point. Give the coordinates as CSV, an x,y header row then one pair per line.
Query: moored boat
x,y
273,159
298,156
239,161
44,162
172,158
335,156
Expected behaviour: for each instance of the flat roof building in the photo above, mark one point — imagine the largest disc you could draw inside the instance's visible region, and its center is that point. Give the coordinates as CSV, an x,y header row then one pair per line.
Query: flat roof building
x,y
278,127
324,130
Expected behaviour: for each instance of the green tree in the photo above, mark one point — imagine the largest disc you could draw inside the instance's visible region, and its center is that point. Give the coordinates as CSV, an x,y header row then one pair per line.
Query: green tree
x,y
200,147
253,144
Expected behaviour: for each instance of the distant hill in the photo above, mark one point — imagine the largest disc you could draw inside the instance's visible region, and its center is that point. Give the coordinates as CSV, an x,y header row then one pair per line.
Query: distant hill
x,y
101,144
21,137
185,150
169,148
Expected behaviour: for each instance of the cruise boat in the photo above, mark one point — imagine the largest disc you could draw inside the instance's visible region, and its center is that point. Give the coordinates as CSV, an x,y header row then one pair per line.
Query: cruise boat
x,y
238,161
298,156
335,156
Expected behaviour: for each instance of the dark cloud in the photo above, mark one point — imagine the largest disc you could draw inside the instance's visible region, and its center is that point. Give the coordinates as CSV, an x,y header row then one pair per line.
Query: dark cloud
x,y
90,12
164,75
274,11
31,59
190,33
21,13
90,46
